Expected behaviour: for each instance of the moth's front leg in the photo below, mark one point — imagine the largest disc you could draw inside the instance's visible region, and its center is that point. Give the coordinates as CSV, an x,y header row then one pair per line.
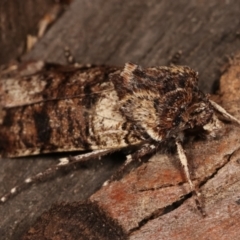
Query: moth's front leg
x,y
184,163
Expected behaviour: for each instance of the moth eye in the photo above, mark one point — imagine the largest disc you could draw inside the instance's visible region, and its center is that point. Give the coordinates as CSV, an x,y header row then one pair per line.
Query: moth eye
x,y
177,120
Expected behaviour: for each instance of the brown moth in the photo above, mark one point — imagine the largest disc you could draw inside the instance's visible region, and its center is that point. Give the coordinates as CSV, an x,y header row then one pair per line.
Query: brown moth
x,y
53,108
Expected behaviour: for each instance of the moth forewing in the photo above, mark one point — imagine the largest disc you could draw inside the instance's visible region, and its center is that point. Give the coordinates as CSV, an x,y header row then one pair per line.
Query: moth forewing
x,y
70,109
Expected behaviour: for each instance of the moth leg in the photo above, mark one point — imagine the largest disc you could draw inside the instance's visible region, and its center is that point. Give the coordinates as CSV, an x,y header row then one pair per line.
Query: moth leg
x,y
146,149
72,61
50,172
68,56
224,113
184,162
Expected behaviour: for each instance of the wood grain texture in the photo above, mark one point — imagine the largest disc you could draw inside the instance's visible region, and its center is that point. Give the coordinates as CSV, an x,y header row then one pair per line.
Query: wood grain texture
x,y
17,21
148,34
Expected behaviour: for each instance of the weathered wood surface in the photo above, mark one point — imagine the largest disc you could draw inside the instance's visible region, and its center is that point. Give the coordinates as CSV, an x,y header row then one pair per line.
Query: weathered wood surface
x,y
18,19
149,33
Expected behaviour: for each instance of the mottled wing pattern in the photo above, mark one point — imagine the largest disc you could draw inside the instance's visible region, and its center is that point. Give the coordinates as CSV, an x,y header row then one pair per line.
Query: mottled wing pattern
x,y
52,108
34,82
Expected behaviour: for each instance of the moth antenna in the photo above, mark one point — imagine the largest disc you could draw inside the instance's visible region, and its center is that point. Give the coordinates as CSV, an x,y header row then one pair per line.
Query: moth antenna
x,y
224,113
146,149
128,161
184,162
50,172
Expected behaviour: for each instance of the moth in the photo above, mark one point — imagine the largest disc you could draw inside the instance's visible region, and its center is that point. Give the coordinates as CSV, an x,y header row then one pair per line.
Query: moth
x,y
47,108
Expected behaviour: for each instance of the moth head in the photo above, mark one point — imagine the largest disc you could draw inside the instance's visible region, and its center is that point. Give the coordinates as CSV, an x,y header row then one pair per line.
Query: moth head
x,y
161,101
199,114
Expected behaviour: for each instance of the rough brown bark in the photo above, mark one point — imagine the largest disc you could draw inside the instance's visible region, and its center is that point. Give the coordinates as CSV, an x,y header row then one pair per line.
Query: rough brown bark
x,y
148,33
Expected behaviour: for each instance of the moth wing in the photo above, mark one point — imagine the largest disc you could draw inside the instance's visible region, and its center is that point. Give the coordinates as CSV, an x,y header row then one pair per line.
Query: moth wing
x,y
57,108
34,82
